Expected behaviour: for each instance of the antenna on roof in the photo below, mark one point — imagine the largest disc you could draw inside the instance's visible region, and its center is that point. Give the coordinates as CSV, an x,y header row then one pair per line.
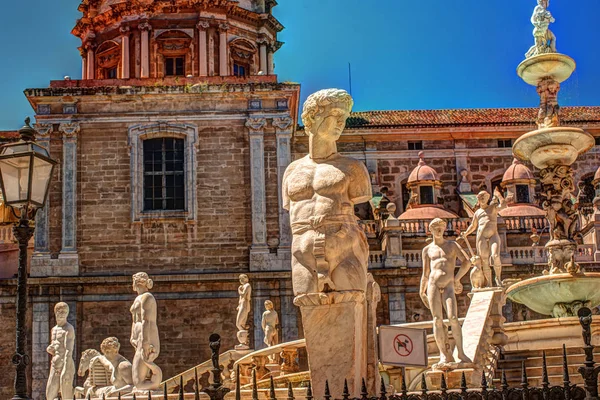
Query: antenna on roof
x,y
350,77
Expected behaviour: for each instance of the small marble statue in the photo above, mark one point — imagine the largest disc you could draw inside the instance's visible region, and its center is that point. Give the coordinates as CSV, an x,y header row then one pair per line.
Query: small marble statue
x,y
243,309
329,250
545,41
485,221
438,290
270,320
144,336
120,369
62,369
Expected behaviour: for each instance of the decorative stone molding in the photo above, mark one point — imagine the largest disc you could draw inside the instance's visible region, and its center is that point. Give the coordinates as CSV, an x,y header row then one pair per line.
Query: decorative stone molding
x,y
44,109
256,125
137,135
43,129
282,123
124,29
203,24
69,129
224,27
145,26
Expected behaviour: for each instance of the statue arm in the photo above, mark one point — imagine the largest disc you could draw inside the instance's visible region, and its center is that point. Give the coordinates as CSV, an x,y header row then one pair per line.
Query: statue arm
x,y
465,263
425,277
263,323
360,190
499,200
471,228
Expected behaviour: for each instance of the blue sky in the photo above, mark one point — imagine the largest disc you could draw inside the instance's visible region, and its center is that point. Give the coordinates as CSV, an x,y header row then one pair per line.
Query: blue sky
x,y
405,54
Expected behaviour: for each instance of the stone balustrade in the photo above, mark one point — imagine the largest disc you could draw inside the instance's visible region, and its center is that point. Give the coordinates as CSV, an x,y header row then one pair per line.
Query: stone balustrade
x,y
525,224
420,227
370,227
376,259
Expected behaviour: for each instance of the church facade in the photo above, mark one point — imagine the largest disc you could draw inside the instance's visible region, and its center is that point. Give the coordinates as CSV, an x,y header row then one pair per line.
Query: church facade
x,y
171,152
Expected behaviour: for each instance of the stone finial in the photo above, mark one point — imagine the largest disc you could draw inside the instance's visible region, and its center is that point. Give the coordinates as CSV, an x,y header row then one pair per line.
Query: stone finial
x,y
391,208
421,158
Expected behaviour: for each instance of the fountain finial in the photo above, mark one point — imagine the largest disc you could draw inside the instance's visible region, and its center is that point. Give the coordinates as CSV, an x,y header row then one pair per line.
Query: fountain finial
x,y
545,41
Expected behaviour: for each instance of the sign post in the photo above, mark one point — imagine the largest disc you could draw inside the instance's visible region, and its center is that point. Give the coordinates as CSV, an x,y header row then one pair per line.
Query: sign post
x,y
402,347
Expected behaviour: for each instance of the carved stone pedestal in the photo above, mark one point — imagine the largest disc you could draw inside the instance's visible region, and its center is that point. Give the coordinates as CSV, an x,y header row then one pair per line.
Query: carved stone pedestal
x,y
335,328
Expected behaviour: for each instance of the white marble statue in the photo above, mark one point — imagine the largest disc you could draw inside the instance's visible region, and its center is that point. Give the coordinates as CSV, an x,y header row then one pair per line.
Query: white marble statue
x,y
439,286
488,244
121,373
329,250
62,369
270,320
545,41
243,309
144,336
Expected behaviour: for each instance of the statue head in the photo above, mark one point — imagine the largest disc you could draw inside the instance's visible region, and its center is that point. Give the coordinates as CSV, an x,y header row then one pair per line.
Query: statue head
x,y
483,198
110,346
544,3
268,305
61,311
142,280
326,111
244,279
437,227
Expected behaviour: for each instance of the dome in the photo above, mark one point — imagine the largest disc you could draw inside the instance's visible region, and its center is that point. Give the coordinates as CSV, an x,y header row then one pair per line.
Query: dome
x,y
422,172
427,213
522,210
517,171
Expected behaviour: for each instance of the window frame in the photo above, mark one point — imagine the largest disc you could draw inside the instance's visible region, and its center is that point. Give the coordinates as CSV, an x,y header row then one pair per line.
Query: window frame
x,y
164,173
431,191
416,144
137,135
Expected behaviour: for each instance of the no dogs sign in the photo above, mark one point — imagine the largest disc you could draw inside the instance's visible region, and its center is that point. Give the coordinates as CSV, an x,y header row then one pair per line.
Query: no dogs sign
x,y
402,346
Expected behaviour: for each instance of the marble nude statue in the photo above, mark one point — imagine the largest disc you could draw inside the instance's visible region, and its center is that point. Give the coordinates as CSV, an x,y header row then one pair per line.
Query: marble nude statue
x,y
144,336
485,221
545,41
270,320
438,289
62,368
243,309
329,250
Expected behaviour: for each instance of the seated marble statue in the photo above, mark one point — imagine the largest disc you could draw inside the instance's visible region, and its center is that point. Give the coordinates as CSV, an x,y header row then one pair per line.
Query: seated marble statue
x,y
329,250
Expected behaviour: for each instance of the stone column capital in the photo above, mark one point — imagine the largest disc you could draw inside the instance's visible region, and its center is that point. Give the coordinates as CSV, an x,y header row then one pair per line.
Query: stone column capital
x,y
224,27
43,129
256,124
124,29
203,25
145,26
262,40
282,124
70,130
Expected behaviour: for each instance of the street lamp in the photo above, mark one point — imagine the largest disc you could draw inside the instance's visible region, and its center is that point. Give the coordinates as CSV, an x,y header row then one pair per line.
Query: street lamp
x,y
25,172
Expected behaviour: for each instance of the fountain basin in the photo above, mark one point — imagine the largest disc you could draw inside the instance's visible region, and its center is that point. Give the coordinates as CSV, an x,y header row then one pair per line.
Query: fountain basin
x,y
553,146
557,295
551,65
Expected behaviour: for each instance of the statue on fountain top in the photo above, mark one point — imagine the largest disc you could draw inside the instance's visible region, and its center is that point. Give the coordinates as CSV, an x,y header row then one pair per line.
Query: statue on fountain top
x,y
545,41
329,249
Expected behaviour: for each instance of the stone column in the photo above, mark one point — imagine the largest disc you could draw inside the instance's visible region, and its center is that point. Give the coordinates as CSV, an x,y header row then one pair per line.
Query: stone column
x,y
283,130
202,47
263,55
40,334
41,247
145,28
124,52
83,55
270,61
256,126
68,252
223,56
91,56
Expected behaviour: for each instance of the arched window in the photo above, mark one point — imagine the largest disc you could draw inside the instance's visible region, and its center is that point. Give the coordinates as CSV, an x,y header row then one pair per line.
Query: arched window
x,y
174,55
243,54
108,57
426,195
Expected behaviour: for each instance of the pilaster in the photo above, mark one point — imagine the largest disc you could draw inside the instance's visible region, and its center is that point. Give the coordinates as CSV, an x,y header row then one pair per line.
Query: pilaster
x,y
256,127
202,47
40,334
283,131
223,56
262,51
124,52
68,251
145,29
41,238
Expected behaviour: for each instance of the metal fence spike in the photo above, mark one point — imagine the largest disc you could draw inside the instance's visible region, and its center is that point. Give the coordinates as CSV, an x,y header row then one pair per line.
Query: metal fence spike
x,y
404,388
565,366
103,396
181,396
149,395
443,385
346,393
423,384
383,391
133,397
463,383
196,385
327,395
254,386
504,384
272,389
238,394
165,394
309,395
119,396
524,382
545,382
290,391
484,384
89,397
363,390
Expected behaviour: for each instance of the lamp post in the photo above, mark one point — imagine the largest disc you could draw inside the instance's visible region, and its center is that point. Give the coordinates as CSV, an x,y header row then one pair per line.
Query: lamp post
x,y
25,172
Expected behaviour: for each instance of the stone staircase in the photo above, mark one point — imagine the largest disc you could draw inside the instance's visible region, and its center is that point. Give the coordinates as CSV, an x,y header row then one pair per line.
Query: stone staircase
x,y
511,363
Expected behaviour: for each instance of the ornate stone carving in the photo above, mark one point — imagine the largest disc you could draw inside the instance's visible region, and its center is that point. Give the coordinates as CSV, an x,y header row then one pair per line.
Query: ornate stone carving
x,y
203,24
256,125
124,29
282,123
289,364
69,129
269,323
439,286
545,41
549,113
224,27
44,129
144,336
62,367
485,221
145,26
243,309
